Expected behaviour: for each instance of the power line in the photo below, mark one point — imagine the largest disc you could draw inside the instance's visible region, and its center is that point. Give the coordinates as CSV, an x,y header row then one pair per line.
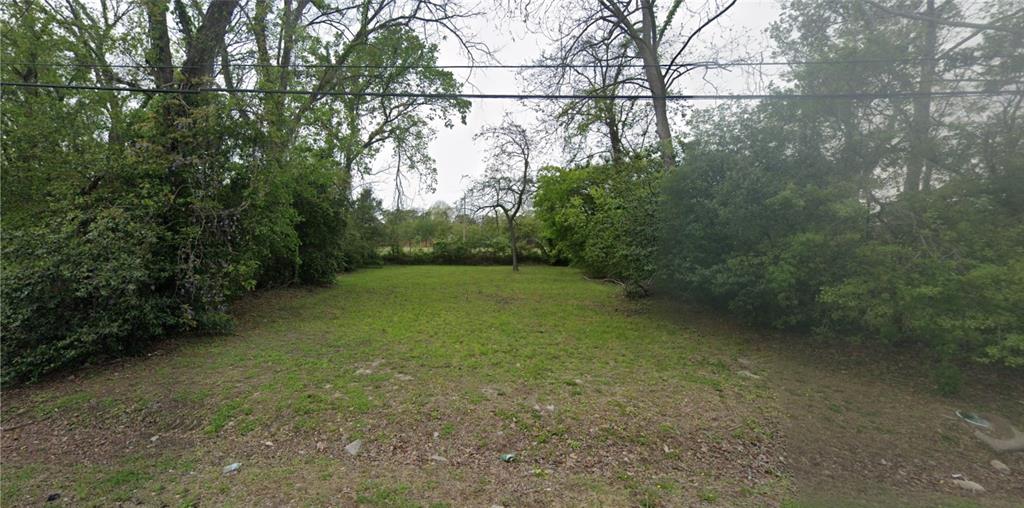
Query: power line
x,y
890,95
698,64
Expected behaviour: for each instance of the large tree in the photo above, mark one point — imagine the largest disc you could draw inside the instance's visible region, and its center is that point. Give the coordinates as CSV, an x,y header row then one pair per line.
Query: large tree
x,y
654,39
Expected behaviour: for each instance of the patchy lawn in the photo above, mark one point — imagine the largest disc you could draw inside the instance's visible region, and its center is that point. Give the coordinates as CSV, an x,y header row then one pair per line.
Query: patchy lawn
x,y
440,370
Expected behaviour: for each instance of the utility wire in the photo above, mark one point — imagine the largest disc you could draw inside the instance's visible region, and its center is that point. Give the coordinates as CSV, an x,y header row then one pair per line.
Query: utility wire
x,y
708,63
891,95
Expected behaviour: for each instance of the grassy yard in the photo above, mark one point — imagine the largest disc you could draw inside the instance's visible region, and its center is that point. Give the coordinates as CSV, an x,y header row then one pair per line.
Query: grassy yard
x,y
440,370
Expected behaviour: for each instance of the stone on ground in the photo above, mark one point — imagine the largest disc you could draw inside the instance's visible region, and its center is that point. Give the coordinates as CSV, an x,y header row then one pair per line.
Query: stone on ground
x,y
1002,468
354,447
969,485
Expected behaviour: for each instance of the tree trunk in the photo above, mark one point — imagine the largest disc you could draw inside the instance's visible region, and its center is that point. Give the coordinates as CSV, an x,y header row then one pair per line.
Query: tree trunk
x,y
513,240
615,138
662,127
656,81
206,44
920,123
159,53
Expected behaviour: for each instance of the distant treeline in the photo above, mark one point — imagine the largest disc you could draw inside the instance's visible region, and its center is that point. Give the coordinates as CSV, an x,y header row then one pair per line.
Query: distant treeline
x,y
442,234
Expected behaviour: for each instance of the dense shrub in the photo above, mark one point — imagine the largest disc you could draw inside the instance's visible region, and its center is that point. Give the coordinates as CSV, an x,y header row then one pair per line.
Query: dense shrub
x,y
946,269
603,218
785,240
103,270
144,242
84,285
442,234
129,215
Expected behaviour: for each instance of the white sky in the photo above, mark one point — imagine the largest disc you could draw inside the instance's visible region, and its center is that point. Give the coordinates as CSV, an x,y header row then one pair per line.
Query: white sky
x,y
454,150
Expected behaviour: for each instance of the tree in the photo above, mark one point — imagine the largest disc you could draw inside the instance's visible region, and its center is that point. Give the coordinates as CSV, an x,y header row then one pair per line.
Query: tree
x,y
508,183
900,146
592,127
806,214
128,216
636,31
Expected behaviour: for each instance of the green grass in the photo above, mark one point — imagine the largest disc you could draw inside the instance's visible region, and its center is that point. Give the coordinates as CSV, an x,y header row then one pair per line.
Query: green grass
x,y
605,401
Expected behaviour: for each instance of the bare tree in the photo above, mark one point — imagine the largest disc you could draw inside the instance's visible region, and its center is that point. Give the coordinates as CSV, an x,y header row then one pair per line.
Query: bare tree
x,y
620,126
509,182
647,33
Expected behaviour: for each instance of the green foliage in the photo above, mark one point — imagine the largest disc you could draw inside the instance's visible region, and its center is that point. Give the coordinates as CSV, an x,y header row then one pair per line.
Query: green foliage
x,y
794,246
455,251
54,274
948,379
802,215
950,275
603,218
443,235
364,231
127,218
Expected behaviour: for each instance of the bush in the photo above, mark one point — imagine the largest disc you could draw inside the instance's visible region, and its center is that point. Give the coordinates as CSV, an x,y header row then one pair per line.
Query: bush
x,y
83,286
603,218
791,244
149,243
952,277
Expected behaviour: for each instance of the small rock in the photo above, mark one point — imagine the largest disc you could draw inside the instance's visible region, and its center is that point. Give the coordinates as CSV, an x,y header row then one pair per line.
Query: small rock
x,y
883,462
748,374
969,485
268,443
354,447
438,458
437,435
154,438
403,377
232,468
364,372
550,408
53,497
1002,468
321,446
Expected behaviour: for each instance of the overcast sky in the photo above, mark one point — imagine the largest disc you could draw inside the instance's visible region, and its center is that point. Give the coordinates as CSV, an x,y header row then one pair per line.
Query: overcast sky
x,y
456,153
